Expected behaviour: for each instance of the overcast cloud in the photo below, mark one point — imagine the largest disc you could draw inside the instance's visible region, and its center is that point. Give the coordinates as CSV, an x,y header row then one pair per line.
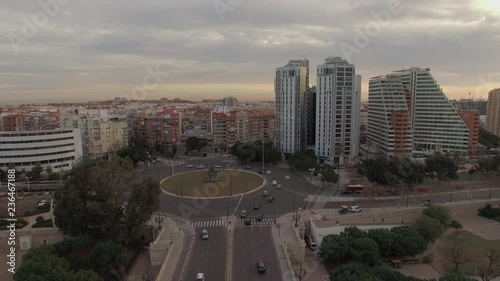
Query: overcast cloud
x,y
99,49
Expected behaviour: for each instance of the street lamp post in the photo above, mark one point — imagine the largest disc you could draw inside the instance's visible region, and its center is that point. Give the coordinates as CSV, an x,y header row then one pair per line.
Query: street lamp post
x,y
263,152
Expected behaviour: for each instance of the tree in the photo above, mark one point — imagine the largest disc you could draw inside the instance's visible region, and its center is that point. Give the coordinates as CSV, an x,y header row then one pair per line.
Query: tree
x,y
236,148
106,256
440,213
221,147
36,171
54,177
456,225
430,228
247,152
90,202
86,275
134,153
376,171
48,169
361,272
455,277
328,174
488,139
303,161
384,239
201,145
365,250
192,144
441,167
144,200
455,254
408,242
335,248
352,233
489,273
3,175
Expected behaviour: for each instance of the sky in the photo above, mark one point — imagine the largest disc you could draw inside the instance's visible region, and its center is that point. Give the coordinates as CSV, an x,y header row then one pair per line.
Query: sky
x,y
76,50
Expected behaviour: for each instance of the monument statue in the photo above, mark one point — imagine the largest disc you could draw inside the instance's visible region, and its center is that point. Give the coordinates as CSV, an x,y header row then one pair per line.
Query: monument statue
x,y
212,175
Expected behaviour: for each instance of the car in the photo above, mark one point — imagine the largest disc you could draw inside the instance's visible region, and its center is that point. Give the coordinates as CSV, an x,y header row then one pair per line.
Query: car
x,y
261,267
345,192
275,182
225,155
248,167
204,234
42,203
200,277
260,217
153,161
248,222
271,199
265,193
200,167
287,177
260,172
278,186
422,189
268,172
218,166
243,214
189,166
256,206
159,160
354,209
148,164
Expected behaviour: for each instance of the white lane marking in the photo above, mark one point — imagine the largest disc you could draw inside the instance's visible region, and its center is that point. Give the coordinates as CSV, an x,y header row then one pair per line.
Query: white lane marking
x,y
239,202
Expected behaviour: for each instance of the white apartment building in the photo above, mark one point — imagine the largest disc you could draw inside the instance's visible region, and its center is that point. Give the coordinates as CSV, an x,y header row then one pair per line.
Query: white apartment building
x,y
59,148
100,135
338,104
291,87
435,124
389,126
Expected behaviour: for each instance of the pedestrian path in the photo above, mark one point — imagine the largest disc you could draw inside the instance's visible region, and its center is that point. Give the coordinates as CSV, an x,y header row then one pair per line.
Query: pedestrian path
x,y
221,221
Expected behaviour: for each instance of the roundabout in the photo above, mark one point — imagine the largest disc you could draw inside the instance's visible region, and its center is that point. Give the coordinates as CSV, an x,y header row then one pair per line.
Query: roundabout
x,y
210,183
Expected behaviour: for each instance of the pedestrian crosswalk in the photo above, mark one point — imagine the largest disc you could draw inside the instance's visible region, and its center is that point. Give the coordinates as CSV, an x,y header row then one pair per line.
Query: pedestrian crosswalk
x,y
222,221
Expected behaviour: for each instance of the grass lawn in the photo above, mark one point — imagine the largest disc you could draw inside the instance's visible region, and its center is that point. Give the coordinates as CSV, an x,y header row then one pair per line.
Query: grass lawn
x,y
472,246
193,183
462,176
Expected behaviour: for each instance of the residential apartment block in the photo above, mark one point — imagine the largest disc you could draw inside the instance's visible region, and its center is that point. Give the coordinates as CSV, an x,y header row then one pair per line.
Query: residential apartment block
x,y
291,88
163,128
338,102
101,135
29,121
493,112
409,114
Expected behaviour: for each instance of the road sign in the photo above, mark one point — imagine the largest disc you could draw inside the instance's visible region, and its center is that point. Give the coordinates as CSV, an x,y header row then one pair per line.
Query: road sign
x,y
278,225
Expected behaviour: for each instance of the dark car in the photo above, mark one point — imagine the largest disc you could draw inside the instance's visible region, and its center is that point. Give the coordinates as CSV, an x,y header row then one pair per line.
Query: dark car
x,y
261,267
271,199
260,172
260,217
248,222
256,206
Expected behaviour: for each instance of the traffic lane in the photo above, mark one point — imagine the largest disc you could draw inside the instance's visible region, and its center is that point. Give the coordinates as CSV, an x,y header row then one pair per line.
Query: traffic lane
x,y
208,256
251,244
296,183
284,202
188,208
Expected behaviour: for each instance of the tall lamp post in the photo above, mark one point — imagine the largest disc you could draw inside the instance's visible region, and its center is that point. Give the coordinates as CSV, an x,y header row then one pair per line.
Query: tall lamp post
x,y
263,167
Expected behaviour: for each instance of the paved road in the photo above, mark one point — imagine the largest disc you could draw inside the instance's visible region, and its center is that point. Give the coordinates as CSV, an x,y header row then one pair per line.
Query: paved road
x,y
253,243
208,256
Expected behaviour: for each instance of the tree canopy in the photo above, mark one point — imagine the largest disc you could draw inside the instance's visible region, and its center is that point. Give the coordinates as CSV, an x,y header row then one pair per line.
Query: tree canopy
x,y
441,167
328,174
91,201
408,242
107,256
440,213
430,228
358,271
252,152
392,171
133,152
303,161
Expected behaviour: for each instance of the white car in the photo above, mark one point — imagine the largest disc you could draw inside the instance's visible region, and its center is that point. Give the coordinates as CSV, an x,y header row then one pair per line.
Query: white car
x,y
268,172
275,182
218,166
200,167
287,177
148,164
354,209
265,193
200,277
278,186
189,166
42,203
204,234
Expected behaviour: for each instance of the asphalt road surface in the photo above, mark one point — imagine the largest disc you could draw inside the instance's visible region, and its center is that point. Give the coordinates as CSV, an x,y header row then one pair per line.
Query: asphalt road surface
x,y
253,243
208,256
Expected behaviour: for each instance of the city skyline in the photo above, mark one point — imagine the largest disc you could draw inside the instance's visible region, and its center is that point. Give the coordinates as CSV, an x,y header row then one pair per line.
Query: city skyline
x,y
76,51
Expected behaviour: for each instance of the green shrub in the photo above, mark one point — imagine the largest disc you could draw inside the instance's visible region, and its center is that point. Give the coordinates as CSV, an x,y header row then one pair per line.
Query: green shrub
x,y
489,212
39,219
428,259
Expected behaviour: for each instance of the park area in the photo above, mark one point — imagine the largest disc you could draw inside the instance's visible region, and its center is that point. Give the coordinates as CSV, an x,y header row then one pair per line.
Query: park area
x,y
464,246
194,184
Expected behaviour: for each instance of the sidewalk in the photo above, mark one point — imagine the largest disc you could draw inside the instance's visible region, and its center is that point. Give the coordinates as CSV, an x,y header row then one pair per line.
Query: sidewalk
x,y
280,235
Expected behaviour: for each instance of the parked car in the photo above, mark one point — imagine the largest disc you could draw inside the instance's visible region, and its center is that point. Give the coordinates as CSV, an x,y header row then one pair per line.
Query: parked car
x,y
260,217
261,267
256,206
204,234
189,166
422,189
42,203
200,277
148,164
354,209
159,160
271,199
287,177
248,222
260,172
278,186
265,193
243,214
201,167
311,243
